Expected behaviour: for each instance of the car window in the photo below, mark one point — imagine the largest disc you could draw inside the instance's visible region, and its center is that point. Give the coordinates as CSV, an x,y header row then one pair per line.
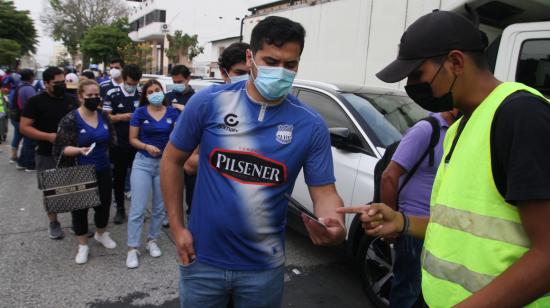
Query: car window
x,y
331,112
534,65
400,111
384,131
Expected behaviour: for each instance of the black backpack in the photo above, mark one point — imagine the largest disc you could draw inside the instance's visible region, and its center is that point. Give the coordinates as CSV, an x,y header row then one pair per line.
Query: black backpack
x,y
383,163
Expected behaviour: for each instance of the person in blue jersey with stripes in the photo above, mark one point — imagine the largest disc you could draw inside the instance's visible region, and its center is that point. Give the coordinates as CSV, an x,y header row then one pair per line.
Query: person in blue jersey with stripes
x,y
255,138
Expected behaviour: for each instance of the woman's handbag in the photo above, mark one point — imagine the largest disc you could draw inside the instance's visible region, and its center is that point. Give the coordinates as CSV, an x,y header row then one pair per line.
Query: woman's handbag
x,y
69,189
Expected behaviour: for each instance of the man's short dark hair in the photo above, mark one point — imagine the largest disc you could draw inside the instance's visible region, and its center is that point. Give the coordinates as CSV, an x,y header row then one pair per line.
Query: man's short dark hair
x,y
180,69
275,30
233,54
88,74
50,73
131,70
26,74
117,60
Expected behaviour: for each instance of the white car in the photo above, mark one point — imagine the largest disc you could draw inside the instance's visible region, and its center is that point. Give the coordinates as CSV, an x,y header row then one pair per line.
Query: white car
x,y
363,121
167,83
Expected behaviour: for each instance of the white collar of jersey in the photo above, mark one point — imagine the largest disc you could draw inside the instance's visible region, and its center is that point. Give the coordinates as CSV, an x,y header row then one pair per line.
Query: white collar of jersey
x,y
116,84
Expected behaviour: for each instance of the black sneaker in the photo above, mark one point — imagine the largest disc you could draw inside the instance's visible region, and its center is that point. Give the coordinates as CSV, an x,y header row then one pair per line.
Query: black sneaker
x,y
119,217
55,231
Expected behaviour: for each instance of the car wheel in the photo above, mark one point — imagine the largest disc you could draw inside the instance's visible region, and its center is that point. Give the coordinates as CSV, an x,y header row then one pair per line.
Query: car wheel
x,y
375,261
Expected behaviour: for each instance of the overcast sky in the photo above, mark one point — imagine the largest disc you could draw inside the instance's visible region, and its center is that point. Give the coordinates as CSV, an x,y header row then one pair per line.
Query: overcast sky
x,y
205,20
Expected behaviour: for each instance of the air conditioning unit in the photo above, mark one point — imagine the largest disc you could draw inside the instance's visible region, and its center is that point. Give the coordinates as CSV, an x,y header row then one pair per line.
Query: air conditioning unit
x,y
164,28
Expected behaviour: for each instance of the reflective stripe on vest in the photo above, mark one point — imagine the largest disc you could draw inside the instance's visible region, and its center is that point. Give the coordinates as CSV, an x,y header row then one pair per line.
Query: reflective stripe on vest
x,y
480,225
473,235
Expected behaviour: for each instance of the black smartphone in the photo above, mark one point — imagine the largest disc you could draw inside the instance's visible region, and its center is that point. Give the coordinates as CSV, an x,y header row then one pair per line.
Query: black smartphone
x,y
302,209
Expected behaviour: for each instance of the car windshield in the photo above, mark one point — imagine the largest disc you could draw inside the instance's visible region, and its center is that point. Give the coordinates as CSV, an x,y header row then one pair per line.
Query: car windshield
x,y
388,116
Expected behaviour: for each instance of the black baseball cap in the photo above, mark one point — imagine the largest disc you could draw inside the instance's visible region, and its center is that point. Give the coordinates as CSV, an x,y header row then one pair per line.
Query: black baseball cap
x,y
432,35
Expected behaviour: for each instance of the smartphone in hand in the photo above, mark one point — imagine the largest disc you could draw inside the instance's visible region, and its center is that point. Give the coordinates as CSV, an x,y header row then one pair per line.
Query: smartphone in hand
x,y
302,209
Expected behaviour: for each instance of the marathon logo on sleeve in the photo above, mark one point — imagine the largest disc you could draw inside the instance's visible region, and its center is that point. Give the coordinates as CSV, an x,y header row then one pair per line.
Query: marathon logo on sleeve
x,y
248,167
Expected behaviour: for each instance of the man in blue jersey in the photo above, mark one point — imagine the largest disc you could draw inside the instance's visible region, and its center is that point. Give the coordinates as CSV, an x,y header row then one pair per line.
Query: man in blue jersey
x,y
120,103
115,72
255,138
180,91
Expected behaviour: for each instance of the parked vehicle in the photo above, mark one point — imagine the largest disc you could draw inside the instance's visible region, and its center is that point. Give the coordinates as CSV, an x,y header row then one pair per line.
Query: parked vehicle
x,y
363,121
368,34
166,81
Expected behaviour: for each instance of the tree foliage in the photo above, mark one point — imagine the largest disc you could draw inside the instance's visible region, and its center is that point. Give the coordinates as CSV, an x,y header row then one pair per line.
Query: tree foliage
x,y
102,42
17,27
69,20
183,45
10,50
137,53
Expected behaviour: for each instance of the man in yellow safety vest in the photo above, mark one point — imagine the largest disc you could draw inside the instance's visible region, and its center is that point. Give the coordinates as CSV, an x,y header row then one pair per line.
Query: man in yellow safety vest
x,y
487,240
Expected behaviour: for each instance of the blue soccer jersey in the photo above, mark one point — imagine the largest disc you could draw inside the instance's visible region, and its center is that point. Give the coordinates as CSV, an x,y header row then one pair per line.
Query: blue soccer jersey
x,y
118,101
154,132
250,155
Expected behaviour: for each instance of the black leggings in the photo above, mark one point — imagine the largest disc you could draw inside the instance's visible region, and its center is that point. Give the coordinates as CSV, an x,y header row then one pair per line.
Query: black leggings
x,y
122,158
101,212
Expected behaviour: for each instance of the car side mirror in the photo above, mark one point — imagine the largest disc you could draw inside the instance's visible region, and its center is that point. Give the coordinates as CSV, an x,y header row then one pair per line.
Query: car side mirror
x,y
339,137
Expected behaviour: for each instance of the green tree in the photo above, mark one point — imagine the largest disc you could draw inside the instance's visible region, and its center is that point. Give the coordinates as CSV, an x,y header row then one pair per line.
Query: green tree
x,y
10,50
69,20
102,42
16,27
183,45
137,53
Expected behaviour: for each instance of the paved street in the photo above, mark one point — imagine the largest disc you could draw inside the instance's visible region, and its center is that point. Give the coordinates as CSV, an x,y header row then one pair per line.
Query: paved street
x,y
38,272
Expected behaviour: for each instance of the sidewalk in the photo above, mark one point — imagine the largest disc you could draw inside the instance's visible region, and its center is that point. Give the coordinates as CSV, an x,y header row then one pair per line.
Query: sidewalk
x,y
36,271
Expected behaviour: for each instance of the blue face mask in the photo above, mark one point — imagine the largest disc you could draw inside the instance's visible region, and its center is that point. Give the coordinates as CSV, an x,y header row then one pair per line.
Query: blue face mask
x,y
273,82
130,89
235,79
179,87
156,98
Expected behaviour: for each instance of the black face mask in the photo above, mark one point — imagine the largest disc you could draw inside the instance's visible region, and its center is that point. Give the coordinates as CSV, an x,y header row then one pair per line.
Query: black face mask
x,y
92,103
422,94
59,89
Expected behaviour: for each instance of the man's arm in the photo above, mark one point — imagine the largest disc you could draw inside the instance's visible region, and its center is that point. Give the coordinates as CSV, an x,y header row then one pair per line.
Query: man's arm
x,y
389,184
529,278
26,128
171,183
325,202
192,164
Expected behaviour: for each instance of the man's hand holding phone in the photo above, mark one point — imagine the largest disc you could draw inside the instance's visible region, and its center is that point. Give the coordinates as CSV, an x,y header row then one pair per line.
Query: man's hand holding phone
x,y
322,231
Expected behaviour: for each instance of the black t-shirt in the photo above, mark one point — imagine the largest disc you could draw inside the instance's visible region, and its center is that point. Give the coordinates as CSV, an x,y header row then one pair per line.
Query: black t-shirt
x,y
520,148
47,111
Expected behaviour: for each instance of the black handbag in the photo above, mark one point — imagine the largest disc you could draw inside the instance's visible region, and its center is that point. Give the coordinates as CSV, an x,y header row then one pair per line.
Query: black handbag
x,y
69,189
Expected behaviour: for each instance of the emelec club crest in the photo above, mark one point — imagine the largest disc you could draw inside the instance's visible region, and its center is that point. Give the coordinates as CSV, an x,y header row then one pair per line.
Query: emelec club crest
x,y
284,133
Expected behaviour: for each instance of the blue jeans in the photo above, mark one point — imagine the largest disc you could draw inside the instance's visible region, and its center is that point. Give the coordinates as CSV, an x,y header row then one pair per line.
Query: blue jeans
x,y
145,178
406,286
205,286
26,159
16,140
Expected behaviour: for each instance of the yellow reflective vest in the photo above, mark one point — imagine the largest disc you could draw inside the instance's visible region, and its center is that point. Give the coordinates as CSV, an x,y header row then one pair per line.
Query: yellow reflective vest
x,y
473,235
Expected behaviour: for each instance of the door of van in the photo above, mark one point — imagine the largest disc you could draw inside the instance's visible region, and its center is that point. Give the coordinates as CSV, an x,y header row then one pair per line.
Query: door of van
x,y
524,55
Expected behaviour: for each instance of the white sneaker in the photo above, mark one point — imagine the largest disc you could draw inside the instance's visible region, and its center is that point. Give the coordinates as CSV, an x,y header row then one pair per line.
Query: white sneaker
x,y
105,240
82,255
132,258
153,248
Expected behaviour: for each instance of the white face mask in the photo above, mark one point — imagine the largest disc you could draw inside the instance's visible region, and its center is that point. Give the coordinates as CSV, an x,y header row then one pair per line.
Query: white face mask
x,y
115,73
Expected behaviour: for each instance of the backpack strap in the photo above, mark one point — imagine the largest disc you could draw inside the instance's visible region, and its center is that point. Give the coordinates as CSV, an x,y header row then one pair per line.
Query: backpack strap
x,y
434,140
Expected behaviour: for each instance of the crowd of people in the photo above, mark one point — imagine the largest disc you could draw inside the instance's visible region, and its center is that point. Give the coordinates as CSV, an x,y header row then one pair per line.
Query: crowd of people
x,y
464,195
